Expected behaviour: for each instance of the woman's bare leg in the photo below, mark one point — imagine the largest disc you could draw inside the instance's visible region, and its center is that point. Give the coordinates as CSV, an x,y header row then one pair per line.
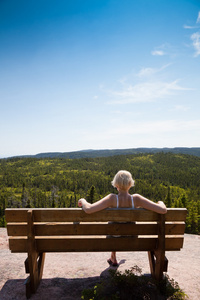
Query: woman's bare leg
x,y
113,257
112,260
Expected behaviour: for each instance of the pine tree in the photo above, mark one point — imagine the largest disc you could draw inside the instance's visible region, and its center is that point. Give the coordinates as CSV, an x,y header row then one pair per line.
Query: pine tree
x,y
91,194
192,219
168,200
184,200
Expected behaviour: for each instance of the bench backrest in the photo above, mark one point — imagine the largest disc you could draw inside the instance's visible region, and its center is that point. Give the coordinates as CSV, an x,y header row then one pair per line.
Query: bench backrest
x,y
72,230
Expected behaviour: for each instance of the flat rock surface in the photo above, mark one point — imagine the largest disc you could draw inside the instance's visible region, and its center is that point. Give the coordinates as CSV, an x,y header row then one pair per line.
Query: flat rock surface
x,y
67,274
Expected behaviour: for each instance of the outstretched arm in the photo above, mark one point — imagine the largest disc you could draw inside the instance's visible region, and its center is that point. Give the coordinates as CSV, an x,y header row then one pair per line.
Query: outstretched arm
x,y
143,202
99,205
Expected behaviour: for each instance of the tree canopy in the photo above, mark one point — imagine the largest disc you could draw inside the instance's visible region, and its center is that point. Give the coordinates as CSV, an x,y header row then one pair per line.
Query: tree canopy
x,y
60,182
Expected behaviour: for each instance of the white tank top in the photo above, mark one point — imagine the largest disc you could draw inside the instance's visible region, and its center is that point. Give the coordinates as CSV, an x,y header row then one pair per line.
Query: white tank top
x,y
131,201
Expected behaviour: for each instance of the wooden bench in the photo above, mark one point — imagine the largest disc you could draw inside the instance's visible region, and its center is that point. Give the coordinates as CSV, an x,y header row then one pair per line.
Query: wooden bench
x,y
37,231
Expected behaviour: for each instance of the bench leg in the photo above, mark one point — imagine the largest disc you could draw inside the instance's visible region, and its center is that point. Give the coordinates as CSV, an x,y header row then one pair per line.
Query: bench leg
x,y
34,265
158,264
35,262
165,265
151,262
41,265
28,287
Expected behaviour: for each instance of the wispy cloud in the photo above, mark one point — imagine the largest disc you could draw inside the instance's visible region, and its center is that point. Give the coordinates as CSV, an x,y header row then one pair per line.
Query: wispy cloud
x,y
195,37
186,26
158,52
147,72
147,87
164,49
190,27
145,92
198,18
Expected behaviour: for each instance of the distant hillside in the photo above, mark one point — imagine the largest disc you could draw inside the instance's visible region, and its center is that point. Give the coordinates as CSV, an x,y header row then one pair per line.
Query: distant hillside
x,y
105,153
55,182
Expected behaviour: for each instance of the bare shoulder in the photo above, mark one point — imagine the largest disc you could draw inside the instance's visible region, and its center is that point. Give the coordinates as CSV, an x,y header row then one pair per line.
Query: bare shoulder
x,y
112,200
136,199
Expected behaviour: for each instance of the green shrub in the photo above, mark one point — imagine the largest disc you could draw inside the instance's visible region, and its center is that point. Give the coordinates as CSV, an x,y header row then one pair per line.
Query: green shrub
x,y
131,285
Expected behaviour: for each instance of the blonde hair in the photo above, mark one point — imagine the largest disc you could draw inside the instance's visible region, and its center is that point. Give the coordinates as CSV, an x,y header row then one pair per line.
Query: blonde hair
x,y
123,179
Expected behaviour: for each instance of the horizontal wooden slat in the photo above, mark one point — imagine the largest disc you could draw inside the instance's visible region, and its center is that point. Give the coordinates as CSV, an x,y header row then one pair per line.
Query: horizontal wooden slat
x,y
96,244
61,244
78,215
16,215
17,229
173,228
51,229
18,244
176,214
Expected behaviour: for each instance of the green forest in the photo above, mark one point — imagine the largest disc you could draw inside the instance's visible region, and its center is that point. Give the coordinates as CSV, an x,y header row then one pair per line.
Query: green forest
x,y
60,182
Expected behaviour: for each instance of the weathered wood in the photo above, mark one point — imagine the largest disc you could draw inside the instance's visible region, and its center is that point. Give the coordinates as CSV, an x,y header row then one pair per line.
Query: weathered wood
x,y
64,244
51,229
26,264
28,287
104,244
97,244
165,265
151,262
41,265
18,245
36,231
32,253
78,215
160,249
17,229
16,215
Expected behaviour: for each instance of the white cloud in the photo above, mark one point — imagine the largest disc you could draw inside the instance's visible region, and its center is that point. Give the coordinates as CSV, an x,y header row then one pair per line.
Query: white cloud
x,y
158,52
145,92
164,49
198,18
189,27
195,37
147,72
147,85
193,26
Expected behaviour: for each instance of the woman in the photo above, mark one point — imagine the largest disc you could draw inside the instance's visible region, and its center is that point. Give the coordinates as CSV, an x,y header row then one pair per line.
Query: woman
x,y
123,181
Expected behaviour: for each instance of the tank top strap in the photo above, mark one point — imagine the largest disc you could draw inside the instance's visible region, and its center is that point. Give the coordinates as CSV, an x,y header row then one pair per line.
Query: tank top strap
x,y
132,201
117,201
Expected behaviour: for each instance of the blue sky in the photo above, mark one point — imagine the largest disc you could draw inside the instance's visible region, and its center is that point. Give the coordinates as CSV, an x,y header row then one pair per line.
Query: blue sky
x,y
97,74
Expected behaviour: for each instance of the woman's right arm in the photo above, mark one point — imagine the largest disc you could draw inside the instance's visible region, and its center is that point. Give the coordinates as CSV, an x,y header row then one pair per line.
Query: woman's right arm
x,y
143,202
99,205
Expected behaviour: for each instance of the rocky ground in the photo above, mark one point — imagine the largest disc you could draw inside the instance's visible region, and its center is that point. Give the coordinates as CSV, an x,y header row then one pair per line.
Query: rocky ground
x,y
67,274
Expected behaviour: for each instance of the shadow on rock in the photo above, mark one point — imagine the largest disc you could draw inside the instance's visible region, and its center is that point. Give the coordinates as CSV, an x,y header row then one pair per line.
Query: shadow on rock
x,y
49,289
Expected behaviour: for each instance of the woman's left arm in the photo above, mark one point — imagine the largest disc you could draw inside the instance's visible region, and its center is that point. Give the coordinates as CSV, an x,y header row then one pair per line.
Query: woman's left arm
x,y
99,205
143,202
